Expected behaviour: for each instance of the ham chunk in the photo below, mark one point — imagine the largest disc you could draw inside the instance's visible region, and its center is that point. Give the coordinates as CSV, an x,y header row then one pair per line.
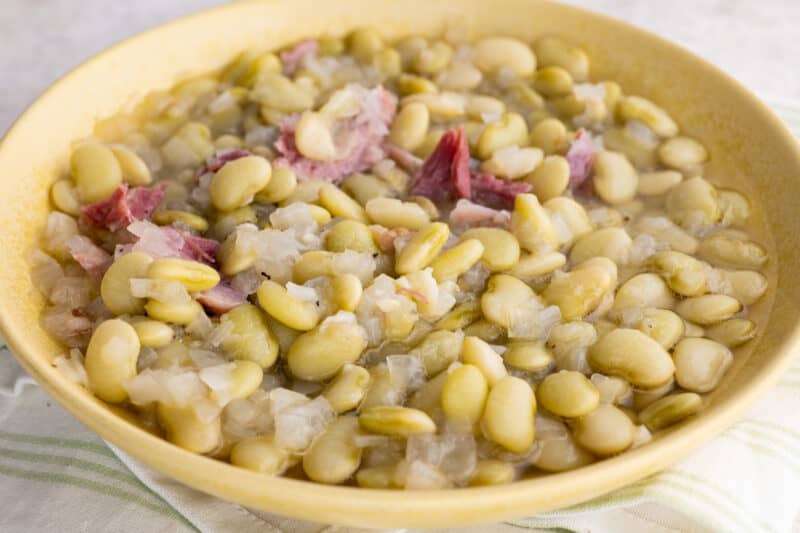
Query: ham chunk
x,y
359,138
405,159
445,175
218,160
167,241
467,213
94,260
580,157
490,191
221,298
294,58
124,207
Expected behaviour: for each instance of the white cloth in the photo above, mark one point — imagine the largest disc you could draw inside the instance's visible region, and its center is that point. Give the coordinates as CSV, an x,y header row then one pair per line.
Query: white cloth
x,y
55,475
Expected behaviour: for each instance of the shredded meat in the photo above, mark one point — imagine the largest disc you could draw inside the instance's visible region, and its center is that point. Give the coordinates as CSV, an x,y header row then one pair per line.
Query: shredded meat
x,y
580,157
359,139
218,160
124,207
468,213
221,298
293,59
445,175
94,260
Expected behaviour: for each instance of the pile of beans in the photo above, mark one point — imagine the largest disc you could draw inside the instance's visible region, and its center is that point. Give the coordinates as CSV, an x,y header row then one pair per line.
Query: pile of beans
x,y
419,264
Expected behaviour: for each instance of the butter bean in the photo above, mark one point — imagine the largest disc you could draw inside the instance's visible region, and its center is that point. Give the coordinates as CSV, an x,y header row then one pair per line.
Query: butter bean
x,y
464,394
708,309
348,388
333,457
96,172
724,250
280,186
662,325
605,431
613,243
552,51
503,294
422,248
643,291
579,292
261,454
320,353
252,339
455,261
134,170
494,53
633,356
394,420
529,356
670,409
508,418
237,182
492,472
733,332
700,364
111,359
115,288
510,130
693,202
531,224
394,213
477,353
298,314
682,152
152,333
638,108
410,126
500,248
438,350
615,179
532,266
182,314
683,273
185,429
193,275
568,394
550,178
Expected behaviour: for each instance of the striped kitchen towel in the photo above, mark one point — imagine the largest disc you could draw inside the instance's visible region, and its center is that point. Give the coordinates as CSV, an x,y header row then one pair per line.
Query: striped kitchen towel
x,y
56,475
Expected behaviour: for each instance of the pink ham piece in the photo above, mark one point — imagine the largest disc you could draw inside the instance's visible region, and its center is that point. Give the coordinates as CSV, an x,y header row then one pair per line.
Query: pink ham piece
x,y
467,213
293,59
167,241
490,191
445,175
407,161
218,160
94,260
446,172
359,138
124,207
580,157
221,298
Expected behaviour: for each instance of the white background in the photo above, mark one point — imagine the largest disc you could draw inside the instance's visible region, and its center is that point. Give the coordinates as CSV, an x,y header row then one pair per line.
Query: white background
x,y
755,41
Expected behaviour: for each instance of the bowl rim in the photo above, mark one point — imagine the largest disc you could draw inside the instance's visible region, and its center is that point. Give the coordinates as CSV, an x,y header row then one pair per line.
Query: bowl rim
x,y
345,504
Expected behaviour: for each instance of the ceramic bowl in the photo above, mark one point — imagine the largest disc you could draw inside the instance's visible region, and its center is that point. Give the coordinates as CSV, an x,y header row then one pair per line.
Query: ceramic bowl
x,y
749,147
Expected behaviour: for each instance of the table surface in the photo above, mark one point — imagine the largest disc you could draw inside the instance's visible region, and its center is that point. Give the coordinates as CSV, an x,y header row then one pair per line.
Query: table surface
x,y
756,42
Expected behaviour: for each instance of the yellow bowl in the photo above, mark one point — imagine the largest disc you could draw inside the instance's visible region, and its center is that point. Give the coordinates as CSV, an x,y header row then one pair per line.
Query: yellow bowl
x,y
749,147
